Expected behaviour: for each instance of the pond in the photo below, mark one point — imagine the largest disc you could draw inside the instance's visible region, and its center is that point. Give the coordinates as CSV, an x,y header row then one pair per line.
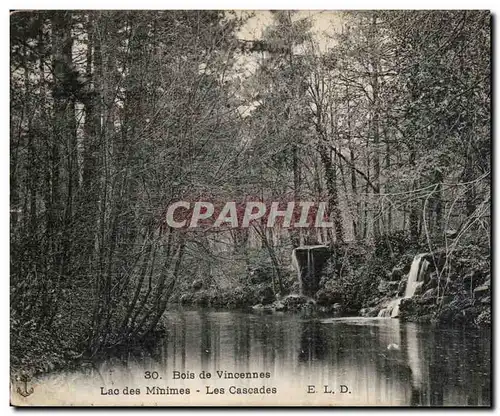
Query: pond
x,y
335,361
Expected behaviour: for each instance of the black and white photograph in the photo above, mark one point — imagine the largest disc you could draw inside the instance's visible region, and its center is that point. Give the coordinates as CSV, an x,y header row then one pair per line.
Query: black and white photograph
x,y
250,208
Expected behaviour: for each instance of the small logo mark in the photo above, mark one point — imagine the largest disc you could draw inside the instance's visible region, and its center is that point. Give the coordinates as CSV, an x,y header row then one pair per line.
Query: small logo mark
x,y
25,379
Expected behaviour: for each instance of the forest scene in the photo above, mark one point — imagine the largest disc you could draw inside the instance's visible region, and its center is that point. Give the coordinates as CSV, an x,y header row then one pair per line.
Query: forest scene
x,y
115,115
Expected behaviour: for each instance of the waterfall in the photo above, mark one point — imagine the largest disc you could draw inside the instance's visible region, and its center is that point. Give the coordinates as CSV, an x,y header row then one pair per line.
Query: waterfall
x,y
295,264
297,268
308,261
309,264
417,270
415,279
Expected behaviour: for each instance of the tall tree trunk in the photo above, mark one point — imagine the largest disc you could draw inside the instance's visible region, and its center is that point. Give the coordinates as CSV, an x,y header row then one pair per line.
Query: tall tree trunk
x,y
375,115
64,135
414,206
354,186
331,185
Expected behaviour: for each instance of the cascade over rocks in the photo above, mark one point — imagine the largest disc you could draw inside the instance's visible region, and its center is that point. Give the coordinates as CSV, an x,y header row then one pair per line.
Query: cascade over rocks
x,y
414,284
413,290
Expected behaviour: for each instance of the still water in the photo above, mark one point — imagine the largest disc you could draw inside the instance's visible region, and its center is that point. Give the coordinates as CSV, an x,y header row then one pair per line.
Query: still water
x,y
379,361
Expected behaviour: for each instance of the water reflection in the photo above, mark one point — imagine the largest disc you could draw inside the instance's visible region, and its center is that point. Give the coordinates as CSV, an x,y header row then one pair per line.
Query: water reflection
x,y
382,361
313,345
385,361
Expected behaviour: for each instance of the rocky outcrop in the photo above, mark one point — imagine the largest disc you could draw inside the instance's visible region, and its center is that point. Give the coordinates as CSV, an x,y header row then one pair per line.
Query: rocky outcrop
x,y
291,303
452,301
302,304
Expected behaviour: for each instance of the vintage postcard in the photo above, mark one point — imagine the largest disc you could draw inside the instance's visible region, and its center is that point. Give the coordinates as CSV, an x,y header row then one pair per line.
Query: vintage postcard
x,y
250,208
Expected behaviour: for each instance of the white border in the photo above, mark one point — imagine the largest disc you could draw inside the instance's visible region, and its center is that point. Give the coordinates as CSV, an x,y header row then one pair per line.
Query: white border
x,y
186,4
